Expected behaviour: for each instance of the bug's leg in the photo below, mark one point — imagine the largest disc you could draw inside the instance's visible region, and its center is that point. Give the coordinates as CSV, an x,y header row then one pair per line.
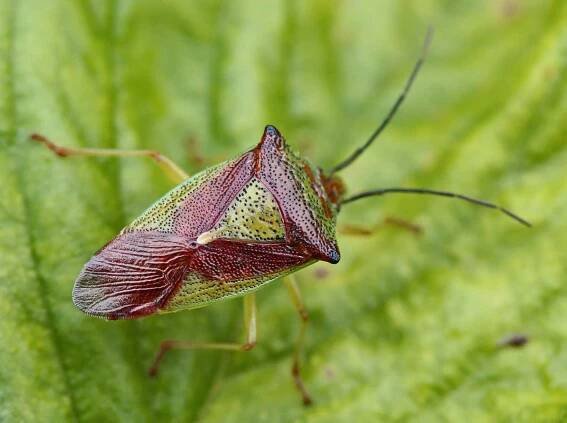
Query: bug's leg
x,y
168,166
295,295
358,230
249,326
404,224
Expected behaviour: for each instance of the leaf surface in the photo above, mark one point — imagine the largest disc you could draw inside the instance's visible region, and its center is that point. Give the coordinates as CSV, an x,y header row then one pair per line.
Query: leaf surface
x,y
405,327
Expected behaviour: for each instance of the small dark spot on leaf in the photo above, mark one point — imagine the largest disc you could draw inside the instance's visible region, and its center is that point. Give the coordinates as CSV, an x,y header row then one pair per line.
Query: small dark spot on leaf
x,y
515,340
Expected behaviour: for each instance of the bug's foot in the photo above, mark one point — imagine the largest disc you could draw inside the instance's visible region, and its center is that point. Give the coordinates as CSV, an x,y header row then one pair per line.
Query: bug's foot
x,y
152,371
305,397
164,347
60,151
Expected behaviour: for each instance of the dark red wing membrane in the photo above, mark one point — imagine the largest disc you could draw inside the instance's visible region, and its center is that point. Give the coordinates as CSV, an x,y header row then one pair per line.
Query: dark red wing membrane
x,y
226,260
133,276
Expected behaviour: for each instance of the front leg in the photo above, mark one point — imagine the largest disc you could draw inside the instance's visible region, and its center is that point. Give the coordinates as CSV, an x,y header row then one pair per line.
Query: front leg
x,y
165,163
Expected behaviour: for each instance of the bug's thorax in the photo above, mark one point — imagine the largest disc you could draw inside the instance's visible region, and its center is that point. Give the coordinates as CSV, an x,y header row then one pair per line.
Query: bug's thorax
x,y
329,188
307,211
284,200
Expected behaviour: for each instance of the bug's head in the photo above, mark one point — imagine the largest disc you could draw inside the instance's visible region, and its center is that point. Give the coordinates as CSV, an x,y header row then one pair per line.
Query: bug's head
x,y
334,187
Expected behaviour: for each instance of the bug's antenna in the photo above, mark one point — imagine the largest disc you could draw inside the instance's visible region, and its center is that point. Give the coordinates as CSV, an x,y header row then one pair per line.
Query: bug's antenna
x,y
434,192
394,108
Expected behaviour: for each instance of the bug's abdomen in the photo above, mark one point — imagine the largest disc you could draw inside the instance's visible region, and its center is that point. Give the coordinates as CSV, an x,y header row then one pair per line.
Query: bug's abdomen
x,y
224,269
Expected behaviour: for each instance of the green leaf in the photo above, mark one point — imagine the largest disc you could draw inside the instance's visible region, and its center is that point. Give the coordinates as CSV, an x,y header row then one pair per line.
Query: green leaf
x,y
405,327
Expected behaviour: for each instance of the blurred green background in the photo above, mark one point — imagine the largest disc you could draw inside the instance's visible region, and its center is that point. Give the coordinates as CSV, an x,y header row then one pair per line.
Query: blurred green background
x,y
404,328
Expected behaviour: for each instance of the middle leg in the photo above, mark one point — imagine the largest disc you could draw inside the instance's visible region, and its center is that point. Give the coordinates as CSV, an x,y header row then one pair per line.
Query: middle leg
x,y
249,326
359,230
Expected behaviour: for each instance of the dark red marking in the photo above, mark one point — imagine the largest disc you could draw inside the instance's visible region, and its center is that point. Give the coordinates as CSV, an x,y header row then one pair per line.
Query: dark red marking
x,y
226,260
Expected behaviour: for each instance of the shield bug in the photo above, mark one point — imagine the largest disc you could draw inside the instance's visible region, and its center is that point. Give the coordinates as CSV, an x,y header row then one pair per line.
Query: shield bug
x,y
226,232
